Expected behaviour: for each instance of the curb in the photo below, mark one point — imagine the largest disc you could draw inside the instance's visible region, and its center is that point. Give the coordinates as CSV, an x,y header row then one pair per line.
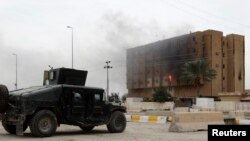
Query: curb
x,y
146,119
242,122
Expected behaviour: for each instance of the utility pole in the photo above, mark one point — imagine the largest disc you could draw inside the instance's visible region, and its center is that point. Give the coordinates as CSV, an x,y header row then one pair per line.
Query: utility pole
x,y
107,67
16,70
72,45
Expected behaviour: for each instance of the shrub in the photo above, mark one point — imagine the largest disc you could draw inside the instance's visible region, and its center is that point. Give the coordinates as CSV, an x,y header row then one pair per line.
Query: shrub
x,y
162,95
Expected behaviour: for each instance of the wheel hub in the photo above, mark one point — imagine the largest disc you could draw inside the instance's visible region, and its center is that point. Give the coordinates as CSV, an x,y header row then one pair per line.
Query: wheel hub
x,y
119,122
45,125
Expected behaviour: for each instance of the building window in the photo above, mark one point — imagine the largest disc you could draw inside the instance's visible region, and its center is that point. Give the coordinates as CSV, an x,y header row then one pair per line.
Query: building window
x,y
239,76
194,50
223,66
194,39
223,78
148,72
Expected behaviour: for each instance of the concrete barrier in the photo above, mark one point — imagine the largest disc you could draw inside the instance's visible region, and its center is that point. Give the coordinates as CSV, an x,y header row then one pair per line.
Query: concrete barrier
x,y
128,117
243,106
158,113
225,106
147,119
144,106
181,109
240,114
194,121
242,121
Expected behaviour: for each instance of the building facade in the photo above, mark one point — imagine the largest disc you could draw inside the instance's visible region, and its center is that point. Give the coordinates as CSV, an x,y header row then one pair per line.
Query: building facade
x,y
159,64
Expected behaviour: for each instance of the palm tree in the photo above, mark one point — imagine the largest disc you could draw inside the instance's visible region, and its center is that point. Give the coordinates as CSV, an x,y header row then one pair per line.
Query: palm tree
x,y
195,71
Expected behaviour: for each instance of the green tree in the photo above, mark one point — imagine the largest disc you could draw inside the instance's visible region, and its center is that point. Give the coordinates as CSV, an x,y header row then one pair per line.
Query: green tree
x,y
114,97
124,97
161,95
194,72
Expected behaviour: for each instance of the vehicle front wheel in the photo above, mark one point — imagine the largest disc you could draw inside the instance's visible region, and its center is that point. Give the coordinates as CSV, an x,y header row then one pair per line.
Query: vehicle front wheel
x,y
11,129
117,122
87,128
4,98
43,124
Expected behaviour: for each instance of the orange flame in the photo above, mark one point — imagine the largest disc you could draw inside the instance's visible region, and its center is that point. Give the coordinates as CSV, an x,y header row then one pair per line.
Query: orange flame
x,y
170,77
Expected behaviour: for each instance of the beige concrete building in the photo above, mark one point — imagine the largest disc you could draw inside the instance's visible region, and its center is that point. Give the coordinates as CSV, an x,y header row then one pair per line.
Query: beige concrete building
x,y
158,64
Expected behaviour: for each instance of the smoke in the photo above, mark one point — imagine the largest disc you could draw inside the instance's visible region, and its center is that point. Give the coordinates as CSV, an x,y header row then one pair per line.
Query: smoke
x,y
120,32
108,39
117,33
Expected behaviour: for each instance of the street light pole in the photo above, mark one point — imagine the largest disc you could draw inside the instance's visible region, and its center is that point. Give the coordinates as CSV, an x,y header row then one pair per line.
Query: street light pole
x,y
72,44
108,67
16,70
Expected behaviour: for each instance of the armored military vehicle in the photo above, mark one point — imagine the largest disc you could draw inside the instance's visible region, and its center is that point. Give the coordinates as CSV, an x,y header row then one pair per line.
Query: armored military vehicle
x,y
63,99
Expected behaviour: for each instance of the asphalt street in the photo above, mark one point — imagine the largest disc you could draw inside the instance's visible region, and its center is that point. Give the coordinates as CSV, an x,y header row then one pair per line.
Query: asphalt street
x,y
134,132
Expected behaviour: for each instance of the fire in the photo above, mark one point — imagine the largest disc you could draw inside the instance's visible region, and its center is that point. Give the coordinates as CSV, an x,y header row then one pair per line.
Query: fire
x,y
170,77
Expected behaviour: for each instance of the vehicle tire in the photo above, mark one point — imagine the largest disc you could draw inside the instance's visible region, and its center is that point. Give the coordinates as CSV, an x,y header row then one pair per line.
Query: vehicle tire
x,y
117,122
11,129
87,128
4,97
43,124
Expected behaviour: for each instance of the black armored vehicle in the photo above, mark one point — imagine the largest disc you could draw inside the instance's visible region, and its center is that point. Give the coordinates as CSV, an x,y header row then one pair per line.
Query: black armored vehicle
x,y
63,99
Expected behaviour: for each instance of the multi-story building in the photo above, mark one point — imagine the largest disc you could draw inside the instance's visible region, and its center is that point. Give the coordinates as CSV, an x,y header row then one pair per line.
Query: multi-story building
x,y
159,64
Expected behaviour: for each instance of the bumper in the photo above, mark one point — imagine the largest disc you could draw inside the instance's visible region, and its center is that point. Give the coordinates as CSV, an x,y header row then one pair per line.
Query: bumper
x,y
13,119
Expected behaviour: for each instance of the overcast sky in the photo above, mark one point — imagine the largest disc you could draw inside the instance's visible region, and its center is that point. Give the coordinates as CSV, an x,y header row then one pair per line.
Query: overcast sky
x,y
103,29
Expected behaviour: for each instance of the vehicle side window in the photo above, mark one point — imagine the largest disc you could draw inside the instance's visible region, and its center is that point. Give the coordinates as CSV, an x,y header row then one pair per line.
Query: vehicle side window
x,y
98,98
77,98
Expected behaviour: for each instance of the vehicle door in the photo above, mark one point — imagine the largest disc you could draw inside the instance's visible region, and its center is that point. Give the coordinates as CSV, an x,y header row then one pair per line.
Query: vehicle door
x,y
75,105
97,109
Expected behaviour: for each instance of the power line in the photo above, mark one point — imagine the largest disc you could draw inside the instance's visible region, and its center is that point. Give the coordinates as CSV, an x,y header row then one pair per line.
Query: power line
x,y
196,15
211,14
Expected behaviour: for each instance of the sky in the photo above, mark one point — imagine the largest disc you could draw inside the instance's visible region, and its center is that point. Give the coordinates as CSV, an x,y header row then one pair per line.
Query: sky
x,y
103,29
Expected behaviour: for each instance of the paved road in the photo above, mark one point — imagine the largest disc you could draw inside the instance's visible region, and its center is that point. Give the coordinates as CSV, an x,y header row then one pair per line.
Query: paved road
x,y
133,132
